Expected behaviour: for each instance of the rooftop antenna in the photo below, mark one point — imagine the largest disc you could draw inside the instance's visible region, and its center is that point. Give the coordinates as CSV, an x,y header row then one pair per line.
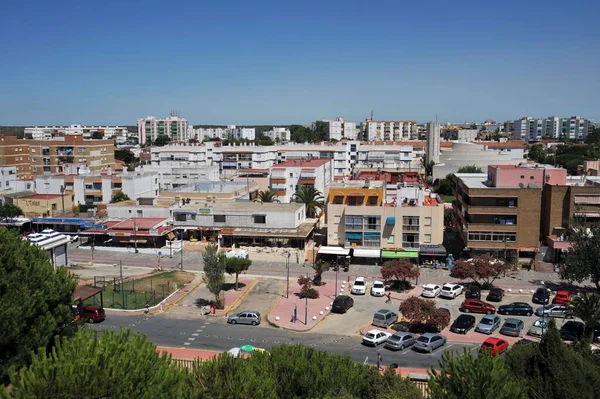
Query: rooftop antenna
x,y
371,114
436,118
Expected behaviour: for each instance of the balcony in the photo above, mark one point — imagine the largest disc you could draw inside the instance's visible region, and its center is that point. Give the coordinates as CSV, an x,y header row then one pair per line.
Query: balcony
x,y
305,181
408,244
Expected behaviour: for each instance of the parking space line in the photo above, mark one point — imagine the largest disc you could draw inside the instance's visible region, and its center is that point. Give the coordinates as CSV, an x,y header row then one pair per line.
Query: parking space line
x,y
187,343
191,339
449,346
195,334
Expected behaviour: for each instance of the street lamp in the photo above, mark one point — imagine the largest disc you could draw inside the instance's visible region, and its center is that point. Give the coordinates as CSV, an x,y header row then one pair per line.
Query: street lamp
x,y
287,263
505,259
47,187
306,308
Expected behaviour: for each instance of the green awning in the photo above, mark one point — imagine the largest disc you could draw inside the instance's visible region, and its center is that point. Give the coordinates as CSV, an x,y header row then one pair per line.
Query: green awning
x,y
399,254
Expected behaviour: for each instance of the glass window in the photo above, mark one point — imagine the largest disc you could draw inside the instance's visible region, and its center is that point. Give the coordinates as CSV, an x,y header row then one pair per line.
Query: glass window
x,y
427,221
262,219
427,238
219,218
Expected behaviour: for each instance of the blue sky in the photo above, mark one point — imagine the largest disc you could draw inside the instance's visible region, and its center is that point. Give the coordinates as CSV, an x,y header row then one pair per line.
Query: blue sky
x,y
277,62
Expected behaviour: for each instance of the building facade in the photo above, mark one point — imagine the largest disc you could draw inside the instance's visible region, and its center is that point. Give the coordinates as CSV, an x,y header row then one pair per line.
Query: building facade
x,y
8,175
278,134
339,129
173,127
119,133
534,129
288,177
389,130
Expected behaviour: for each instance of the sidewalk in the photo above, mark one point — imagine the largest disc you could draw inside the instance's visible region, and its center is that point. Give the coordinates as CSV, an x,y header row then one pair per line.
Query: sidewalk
x,y
282,313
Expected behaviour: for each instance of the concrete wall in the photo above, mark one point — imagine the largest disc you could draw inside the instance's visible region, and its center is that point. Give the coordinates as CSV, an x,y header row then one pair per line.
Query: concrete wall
x,y
119,211
243,218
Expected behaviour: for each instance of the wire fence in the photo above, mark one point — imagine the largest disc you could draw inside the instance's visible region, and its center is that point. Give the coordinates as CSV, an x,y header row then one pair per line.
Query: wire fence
x,y
130,294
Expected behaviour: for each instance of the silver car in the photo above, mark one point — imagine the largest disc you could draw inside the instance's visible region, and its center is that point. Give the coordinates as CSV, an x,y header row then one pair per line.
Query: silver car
x,y
512,327
553,311
400,340
429,342
246,317
488,324
539,327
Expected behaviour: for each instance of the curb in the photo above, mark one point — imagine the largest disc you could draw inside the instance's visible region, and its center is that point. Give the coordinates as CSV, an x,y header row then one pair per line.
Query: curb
x,y
239,298
169,306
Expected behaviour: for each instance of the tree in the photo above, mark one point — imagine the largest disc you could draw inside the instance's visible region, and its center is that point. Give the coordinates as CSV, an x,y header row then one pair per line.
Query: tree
x,y
593,136
450,217
482,269
445,187
97,135
466,376
553,369
162,140
307,373
76,210
581,261
587,308
125,156
306,289
10,211
107,365
470,169
214,273
236,266
320,267
118,197
35,300
422,313
266,196
399,270
312,198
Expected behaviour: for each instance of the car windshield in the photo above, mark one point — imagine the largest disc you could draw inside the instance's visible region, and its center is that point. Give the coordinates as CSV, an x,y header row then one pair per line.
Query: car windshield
x,y
394,338
487,345
378,316
370,335
359,283
377,285
540,323
427,289
423,339
447,288
486,321
510,325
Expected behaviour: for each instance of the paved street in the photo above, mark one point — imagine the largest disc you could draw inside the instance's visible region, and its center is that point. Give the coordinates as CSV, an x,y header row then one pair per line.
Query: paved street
x,y
215,334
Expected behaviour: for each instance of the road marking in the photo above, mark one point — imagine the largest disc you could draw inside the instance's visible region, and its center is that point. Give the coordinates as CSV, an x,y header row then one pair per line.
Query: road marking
x,y
195,334
447,347
199,330
472,349
187,343
191,339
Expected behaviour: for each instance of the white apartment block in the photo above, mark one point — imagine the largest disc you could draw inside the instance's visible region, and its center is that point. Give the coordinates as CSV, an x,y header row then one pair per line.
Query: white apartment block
x,y
339,129
174,127
534,129
389,130
98,188
119,133
8,175
173,175
278,134
288,177
223,133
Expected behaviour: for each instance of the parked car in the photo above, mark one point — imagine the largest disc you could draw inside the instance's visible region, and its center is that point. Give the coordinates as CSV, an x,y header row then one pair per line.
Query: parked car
x,y
525,341
488,324
342,303
554,311
384,318
431,290
359,287
451,291
562,298
375,337
93,314
495,295
572,330
541,296
463,324
539,327
516,308
246,317
400,340
494,346
473,292
429,342
512,327
377,289
477,306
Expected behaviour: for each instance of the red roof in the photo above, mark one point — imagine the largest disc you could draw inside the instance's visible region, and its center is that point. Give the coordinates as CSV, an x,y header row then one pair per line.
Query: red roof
x,y
311,163
42,196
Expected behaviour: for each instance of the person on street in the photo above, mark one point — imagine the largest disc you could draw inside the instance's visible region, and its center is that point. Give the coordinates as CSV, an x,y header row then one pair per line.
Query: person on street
x,y
389,297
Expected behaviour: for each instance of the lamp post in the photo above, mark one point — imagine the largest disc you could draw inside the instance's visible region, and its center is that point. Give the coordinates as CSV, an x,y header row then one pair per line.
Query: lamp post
x,y
505,259
306,308
135,235
181,253
62,194
287,262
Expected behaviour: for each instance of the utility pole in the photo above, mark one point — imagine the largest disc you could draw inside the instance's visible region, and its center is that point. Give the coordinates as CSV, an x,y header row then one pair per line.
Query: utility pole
x,y
306,308
122,285
287,290
181,254
135,234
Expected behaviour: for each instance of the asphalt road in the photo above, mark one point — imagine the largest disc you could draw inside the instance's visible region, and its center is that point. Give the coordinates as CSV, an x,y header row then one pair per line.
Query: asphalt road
x,y
215,334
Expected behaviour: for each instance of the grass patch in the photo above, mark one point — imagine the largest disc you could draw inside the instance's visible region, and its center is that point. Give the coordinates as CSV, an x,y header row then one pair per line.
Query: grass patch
x,y
448,198
136,293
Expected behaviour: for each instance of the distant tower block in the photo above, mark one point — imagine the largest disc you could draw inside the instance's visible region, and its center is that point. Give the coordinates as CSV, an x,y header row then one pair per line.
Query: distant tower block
x,y
433,142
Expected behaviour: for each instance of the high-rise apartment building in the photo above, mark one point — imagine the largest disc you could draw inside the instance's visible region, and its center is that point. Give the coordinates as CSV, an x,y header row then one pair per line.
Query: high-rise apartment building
x,y
434,140
119,133
534,129
389,130
339,129
173,127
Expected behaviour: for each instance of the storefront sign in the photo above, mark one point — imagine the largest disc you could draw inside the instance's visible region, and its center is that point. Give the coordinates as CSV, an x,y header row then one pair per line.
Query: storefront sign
x,y
204,211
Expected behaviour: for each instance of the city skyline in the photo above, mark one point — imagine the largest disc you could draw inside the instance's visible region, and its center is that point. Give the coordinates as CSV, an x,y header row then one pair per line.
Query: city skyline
x,y
279,64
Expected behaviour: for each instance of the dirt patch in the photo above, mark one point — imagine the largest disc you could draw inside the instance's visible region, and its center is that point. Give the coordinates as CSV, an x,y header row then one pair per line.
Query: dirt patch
x,y
169,280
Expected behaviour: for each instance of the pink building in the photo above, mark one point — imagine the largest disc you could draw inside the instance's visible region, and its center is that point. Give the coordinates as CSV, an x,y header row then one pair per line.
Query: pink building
x,y
506,176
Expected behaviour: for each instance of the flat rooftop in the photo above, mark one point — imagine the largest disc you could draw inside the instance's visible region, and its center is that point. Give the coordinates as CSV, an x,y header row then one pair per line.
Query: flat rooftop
x,y
252,207
478,180
357,184
304,163
209,187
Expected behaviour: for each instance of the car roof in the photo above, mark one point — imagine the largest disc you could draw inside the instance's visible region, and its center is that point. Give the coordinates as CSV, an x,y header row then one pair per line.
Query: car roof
x,y
377,282
450,285
384,311
359,279
465,316
489,316
512,320
374,331
472,300
403,333
342,297
429,335
249,311
493,340
562,292
519,303
430,285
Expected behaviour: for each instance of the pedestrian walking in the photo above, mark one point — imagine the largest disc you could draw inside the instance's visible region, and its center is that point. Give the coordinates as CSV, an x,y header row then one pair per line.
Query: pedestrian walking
x,y
378,364
389,297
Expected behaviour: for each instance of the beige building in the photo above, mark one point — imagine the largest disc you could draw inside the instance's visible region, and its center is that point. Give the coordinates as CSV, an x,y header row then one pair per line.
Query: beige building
x,y
358,217
46,205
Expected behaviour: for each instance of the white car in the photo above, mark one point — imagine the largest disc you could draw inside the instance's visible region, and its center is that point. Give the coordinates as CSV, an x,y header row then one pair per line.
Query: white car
x,y
359,287
376,337
377,289
451,291
431,290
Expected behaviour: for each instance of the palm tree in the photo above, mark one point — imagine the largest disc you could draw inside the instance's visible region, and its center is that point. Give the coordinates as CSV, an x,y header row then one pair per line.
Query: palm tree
x,y
312,198
587,308
266,196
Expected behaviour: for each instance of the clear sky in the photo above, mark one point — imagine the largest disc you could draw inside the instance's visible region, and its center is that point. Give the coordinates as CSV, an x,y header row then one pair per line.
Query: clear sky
x,y
276,62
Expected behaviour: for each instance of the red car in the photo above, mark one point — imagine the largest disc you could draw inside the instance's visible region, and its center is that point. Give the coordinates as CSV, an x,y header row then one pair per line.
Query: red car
x,y
477,306
562,298
494,346
93,314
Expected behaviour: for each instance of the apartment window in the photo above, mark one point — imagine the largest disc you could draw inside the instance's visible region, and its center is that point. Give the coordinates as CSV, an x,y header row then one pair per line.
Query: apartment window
x,y
372,200
32,160
522,176
33,170
530,177
390,239
291,175
354,222
338,199
140,213
427,221
373,223
219,218
262,219
427,238
33,150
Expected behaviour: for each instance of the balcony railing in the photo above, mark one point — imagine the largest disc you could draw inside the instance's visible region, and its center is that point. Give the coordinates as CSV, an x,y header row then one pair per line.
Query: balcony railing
x,y
406,244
